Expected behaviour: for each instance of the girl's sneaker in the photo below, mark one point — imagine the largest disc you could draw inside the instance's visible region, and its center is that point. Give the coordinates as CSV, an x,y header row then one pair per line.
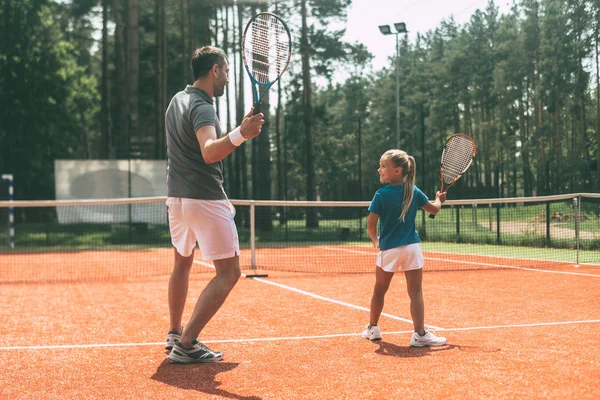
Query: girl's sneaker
x,y
428,339
372,333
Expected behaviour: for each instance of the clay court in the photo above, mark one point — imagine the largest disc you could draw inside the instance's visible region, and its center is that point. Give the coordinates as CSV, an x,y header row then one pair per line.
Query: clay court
x,y
513,332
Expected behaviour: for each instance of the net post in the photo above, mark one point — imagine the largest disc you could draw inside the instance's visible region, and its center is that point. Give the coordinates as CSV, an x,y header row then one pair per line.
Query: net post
x,y
548,223
254,274
577,206
11,210
458,222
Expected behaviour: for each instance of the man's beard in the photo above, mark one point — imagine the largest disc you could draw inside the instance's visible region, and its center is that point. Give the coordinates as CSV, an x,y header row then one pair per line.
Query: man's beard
x,y
219,91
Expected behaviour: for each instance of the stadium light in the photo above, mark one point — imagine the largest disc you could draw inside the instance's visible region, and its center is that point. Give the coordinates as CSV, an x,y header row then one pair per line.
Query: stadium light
x,y
386,30
400,27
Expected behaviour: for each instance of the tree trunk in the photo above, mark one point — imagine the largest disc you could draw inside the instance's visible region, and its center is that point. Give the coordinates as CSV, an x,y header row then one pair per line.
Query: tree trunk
x,y
597,103
524,146
241,159
228,160
107,145
185,60
121,131
161,80
133,52
279,145
311,181
191,38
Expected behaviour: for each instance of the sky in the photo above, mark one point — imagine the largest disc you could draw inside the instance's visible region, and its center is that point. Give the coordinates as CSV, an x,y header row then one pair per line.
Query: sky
x,y
420,16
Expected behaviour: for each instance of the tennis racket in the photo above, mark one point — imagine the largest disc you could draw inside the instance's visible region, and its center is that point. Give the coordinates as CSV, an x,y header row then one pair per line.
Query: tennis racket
x,y
266,50
457,157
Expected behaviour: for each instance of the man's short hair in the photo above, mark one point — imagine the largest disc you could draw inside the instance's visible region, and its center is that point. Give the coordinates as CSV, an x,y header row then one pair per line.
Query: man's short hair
x,y
204,58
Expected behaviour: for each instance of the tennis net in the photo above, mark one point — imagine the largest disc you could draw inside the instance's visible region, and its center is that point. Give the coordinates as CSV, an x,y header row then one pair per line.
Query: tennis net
x,y
85,240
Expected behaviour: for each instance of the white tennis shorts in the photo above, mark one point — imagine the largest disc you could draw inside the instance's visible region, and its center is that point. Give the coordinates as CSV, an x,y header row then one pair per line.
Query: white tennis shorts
x,y
208,222
403,258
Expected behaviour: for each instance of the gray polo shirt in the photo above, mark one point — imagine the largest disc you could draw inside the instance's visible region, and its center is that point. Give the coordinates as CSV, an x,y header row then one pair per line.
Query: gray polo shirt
x,y
188,175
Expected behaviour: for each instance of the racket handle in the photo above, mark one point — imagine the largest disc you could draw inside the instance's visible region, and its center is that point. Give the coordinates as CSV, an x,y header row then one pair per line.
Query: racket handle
x,y
432,216
256,108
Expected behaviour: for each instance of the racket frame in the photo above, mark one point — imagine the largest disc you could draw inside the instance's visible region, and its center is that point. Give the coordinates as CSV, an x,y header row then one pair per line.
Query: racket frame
x,y
255,83
445,189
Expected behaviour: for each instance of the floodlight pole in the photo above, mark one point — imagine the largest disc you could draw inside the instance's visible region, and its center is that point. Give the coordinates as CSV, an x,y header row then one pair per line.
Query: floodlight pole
x,y
400,27
397,92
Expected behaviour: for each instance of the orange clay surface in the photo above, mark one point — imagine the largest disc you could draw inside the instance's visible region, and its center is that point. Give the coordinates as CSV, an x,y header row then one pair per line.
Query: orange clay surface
x,y
121,265
511,334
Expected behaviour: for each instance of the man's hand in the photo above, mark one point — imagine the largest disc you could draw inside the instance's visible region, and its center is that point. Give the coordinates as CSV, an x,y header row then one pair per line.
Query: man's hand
x,y
252,125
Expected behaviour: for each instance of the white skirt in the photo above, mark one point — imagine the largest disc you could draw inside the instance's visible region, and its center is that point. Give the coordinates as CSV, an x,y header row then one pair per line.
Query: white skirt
x,y
403,258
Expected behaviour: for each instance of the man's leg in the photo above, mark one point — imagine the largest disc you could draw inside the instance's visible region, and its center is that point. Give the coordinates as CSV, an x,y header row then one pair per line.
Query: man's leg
x,y
212,297
178,289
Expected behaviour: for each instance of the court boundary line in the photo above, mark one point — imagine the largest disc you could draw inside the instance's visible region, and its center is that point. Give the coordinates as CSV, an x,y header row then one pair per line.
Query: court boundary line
x,y
500,266
290,338
319,297
468,254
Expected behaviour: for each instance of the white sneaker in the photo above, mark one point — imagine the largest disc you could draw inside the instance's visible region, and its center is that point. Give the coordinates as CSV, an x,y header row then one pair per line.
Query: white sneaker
x,y
372,333
428,339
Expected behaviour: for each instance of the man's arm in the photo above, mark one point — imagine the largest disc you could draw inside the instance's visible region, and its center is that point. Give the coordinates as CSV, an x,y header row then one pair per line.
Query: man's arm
x,y
214,150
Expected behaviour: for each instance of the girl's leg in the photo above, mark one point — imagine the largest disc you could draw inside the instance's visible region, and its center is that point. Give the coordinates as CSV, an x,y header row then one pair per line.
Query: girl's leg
x,y
382,284
414,280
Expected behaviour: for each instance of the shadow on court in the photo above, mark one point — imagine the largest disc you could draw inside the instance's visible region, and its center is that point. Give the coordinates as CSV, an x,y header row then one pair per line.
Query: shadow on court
x,y
200,377
391,349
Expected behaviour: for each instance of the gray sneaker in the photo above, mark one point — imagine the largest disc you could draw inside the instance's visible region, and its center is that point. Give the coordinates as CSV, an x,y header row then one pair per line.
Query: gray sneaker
x,y
197,353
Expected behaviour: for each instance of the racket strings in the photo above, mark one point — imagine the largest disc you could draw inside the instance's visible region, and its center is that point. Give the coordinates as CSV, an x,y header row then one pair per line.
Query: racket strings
x,y
266,48
458,155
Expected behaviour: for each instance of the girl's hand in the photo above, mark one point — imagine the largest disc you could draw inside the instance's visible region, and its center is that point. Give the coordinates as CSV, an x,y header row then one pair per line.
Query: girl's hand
x,y
441,196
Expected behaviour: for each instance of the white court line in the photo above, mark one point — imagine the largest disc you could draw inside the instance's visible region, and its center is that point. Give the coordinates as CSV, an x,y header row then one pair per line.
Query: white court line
x,y
481,255
290,338
481,263
316,296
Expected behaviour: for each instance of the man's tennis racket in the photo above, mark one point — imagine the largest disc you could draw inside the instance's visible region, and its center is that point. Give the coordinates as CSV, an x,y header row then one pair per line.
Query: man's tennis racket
x,y
457,157
266,49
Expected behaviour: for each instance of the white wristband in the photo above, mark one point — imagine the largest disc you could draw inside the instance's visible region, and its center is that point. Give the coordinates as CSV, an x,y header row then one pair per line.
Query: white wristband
x,y
236,137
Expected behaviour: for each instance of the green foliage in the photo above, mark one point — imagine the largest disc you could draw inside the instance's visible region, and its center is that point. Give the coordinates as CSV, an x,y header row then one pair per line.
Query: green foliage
x,y
47,100
523,85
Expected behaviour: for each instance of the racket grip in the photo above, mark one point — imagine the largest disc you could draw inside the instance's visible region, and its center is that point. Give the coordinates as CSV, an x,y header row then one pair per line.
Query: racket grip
x,y
432,216
256,108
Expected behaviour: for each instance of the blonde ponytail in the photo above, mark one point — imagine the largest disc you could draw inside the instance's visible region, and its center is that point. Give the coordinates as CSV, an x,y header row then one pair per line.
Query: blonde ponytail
x,y
409,185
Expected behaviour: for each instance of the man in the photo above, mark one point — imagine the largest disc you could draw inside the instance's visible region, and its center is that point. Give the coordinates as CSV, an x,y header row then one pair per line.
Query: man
x,y
199,210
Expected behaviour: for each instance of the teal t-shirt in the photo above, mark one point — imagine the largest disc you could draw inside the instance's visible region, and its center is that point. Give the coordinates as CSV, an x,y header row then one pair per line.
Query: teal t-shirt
x,y
387,203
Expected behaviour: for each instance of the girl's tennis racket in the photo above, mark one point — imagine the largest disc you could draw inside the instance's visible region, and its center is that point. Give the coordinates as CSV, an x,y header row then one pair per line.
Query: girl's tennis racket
x,y
266,50
457,156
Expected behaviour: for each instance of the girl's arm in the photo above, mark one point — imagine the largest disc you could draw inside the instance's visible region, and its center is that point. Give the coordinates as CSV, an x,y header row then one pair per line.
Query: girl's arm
x,y
372,229
433,207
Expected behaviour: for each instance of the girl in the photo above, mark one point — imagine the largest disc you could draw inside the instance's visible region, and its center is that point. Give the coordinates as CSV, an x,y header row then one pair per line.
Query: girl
x,y
399,249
